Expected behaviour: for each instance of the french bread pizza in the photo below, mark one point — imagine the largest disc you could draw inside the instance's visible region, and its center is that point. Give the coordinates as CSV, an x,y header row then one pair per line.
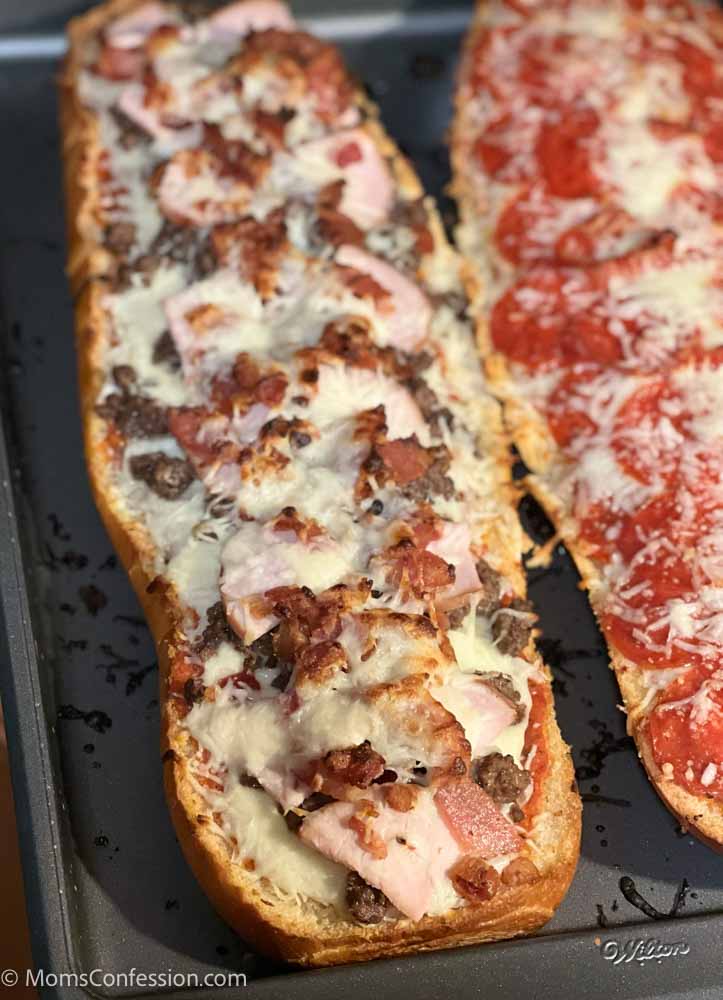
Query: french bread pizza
x,y
291,444
588,166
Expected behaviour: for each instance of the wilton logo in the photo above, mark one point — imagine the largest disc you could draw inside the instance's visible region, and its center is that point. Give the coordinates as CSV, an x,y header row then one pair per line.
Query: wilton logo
x,y
641,950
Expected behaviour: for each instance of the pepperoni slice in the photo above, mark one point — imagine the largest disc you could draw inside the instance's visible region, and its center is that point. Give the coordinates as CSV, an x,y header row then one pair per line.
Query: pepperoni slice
x,y
648,432
643,643
497,147
686,731
599,526
700,75
527,227
534,324
567,408
564,155
645,523
638,622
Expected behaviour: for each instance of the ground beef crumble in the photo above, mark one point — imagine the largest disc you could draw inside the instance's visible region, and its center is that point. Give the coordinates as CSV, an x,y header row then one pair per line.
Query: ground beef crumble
x,y
366,904
134,415
167,476
501,778
512,627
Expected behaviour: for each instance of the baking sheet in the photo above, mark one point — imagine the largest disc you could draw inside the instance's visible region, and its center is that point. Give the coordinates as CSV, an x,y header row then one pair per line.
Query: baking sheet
x,y
108,887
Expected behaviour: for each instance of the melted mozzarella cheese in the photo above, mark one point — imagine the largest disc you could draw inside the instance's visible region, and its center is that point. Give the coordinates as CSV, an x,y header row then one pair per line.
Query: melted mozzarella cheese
x,y
260,833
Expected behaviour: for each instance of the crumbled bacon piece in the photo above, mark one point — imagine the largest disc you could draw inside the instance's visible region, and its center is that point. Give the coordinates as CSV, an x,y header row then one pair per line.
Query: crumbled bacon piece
x,y
362,824
400,797
256,247
417,570
289,520
474,880
204,317
357,766
318,663
520,871
364,286
406,459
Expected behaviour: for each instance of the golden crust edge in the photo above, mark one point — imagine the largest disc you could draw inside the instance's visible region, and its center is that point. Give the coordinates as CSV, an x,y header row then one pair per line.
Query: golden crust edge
x,y
235,894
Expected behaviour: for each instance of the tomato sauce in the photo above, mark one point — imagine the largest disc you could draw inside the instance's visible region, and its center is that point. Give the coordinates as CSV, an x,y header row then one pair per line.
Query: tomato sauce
x,y
535,737
687,735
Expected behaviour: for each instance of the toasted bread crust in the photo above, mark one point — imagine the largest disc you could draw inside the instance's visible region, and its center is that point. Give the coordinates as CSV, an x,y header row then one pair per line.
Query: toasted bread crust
x,y
278,927
697,814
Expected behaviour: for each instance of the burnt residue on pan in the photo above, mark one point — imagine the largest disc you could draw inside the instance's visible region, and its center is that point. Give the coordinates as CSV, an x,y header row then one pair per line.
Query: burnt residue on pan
x,y
634,897
93,598
604,744
96,719
605,800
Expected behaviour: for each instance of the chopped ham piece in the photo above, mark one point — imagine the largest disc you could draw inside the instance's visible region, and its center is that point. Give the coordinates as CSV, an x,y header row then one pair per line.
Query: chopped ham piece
x,y
250,15
131,31
474,820
203,309
193,189
453,546
368,193
170,140
119,64
419,849
258,559
483,711
409,311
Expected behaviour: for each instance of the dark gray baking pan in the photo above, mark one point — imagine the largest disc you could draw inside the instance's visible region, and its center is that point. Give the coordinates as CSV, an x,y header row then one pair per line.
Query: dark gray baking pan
x,y
106,883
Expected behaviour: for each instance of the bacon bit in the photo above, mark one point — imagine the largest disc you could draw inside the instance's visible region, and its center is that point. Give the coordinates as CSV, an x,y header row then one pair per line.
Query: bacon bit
x,y
474,880
249,864
317,664
234,158
357,766
349,153
425,526
401,798
520,871
364,286
271,389
338,229
216,786
246,372
370,424
349,338
289,520
329,82
361,824
240,680
272,125
223,392
158,93
424,241
415,569
119,64
185,424
256,246
204,317
406,459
